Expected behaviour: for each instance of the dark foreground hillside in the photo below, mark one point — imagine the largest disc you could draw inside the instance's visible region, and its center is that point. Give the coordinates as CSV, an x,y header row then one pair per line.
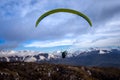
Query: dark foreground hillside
x,y
35,71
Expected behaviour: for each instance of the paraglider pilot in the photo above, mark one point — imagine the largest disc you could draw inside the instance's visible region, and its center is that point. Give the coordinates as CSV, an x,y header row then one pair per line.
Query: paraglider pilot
x,y
64,53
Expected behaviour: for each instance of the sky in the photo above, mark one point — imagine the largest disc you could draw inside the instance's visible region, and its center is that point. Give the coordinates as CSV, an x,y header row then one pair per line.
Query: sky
x,y
60,31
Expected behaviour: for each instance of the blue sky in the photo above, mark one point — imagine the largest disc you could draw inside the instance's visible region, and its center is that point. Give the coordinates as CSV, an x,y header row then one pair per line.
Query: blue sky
x,y
58,31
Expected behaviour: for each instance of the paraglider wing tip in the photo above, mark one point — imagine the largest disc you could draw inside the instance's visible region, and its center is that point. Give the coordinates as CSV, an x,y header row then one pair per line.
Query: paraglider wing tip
x,y
36,24
91,25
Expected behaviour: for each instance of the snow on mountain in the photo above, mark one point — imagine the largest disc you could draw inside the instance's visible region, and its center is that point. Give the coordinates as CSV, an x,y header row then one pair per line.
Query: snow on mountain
x,y
7,53
41,58
104,51
95,57
30,59
51,56
23,55
34,56
101,52
7,59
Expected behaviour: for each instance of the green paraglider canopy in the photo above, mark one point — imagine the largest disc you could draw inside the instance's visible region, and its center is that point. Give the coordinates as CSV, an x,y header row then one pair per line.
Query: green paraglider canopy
x,y
63,10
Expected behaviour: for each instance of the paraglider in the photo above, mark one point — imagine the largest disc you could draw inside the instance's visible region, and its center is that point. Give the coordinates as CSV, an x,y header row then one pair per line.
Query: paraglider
x,y
64,53
63,10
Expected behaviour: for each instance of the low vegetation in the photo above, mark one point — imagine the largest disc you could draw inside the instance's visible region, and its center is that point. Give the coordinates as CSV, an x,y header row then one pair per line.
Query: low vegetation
x,y
45,71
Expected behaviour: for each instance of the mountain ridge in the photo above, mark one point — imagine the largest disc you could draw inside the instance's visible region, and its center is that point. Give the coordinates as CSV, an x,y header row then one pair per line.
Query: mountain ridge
x,y
93,57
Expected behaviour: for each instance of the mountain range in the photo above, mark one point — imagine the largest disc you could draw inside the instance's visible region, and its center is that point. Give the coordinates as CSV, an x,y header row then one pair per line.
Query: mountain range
x,y
91,57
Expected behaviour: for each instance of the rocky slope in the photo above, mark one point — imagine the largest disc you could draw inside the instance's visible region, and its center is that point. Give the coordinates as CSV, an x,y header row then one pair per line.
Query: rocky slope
x,y
35,71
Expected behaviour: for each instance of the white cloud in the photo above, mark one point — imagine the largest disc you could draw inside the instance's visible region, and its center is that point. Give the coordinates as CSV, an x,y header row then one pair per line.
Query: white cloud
x,y
64,42
105,35
114,23
111,26
23,14
96,41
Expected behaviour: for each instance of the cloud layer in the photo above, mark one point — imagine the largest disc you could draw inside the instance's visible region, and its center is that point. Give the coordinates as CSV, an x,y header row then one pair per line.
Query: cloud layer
x,y
18,24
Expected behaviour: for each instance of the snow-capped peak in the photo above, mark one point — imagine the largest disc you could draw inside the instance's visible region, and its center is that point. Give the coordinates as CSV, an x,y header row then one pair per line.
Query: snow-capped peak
x,y
102,52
